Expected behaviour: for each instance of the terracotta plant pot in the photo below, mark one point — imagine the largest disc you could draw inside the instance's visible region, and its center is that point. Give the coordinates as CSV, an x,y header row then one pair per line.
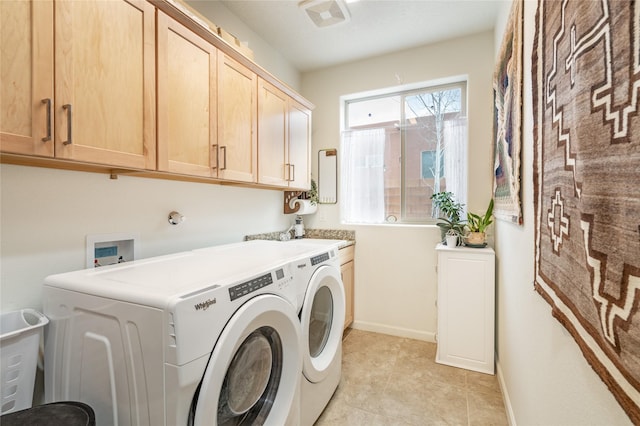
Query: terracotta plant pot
x,y
476,238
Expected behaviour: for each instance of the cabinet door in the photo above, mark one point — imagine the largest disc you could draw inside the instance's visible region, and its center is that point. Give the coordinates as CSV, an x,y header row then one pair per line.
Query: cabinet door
x,y
26,77
466,292
237,120
105,82
272,135
299,146
186,101
347,272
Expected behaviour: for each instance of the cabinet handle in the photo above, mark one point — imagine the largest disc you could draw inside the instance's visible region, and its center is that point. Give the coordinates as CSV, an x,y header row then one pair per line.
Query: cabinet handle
x,y
69,140
292,175
47,102
215,147
224,157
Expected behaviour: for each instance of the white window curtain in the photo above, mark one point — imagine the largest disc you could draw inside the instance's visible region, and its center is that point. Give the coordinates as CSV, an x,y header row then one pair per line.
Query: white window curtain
x,y
455,157
363,176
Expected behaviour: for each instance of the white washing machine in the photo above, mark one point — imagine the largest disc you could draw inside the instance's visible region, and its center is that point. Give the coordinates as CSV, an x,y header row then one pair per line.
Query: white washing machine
x,y
322,319
207,337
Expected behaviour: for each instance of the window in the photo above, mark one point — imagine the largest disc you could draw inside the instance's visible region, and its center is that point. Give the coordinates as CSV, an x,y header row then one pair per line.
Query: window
x,y
400,148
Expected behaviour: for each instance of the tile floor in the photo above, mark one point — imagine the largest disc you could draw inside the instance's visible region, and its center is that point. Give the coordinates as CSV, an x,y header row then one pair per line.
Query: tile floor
x,y
389,380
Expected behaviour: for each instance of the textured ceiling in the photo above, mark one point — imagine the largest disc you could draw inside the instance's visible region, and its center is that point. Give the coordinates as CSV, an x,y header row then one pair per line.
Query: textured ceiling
x,y
376,27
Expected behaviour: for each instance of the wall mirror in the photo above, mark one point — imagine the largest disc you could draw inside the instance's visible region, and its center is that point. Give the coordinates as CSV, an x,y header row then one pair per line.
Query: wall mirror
x,y
328,176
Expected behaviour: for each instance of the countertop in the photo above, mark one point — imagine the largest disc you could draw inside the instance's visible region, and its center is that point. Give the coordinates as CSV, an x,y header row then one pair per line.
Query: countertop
x,y
310,233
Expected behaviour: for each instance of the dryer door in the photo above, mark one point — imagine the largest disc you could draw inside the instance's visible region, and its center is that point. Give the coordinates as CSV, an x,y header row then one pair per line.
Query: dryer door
x,y
322,318
253,374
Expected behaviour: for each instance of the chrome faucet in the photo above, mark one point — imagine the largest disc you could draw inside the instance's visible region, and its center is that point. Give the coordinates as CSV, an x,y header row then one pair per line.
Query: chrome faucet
x,y
286,235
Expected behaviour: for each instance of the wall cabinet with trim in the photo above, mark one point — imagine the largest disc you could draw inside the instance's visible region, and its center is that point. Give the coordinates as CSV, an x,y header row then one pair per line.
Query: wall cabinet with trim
x,y
105,82
466,308
26,81
299,145
79,84
187,101
347,268
237,120
284,133
101,106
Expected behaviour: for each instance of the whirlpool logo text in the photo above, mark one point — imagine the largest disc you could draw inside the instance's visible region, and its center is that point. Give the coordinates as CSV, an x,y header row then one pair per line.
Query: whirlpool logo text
x,y
202,306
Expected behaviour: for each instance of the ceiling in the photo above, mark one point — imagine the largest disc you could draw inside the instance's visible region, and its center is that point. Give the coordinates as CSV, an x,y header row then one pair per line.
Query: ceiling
x,y
375,27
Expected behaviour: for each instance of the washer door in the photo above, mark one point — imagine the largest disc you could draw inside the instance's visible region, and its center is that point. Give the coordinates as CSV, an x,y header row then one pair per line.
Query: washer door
x,y
253,374
322,319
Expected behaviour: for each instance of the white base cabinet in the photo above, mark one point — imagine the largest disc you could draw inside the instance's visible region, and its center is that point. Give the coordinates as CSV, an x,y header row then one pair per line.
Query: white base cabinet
x,y
466,308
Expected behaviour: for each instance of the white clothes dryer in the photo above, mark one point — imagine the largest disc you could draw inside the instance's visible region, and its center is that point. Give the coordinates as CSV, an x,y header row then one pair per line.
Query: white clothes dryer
x,y
322,318
197,338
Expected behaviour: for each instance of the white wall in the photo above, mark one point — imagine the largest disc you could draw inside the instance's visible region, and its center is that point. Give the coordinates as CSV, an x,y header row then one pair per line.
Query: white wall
x,y
543,373
46,214
395,265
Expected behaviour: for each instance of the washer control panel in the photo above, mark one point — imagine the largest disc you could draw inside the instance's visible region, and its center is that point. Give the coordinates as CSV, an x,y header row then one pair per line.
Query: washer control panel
x,y
252,285
319,258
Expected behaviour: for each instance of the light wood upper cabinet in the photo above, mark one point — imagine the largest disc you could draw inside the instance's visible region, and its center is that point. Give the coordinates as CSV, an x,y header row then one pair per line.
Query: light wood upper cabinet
x,y
299,145
26,77
105,82
187,116
284,129
83,81
237,120
273,138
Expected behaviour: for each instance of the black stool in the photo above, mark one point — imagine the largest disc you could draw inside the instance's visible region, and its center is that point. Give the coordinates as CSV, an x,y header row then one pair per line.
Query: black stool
x,y
66,413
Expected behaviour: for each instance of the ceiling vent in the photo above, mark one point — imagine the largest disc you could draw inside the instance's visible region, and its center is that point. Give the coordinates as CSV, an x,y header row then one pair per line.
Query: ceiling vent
x,y
324,13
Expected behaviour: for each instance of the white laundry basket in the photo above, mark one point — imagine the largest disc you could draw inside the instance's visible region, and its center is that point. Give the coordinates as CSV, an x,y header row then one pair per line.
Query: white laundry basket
x,y
20,333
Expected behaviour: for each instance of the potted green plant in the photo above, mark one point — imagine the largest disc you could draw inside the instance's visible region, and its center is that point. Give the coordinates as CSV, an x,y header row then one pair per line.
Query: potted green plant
x,y
445,204
477,225
453,238
312,193
452,211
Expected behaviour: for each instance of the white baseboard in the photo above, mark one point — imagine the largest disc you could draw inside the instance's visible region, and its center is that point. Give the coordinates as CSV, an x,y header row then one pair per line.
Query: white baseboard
x,y
511,418
394,331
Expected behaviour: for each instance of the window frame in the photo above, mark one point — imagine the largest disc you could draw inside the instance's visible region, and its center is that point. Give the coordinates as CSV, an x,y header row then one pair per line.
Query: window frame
x,y
459,82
